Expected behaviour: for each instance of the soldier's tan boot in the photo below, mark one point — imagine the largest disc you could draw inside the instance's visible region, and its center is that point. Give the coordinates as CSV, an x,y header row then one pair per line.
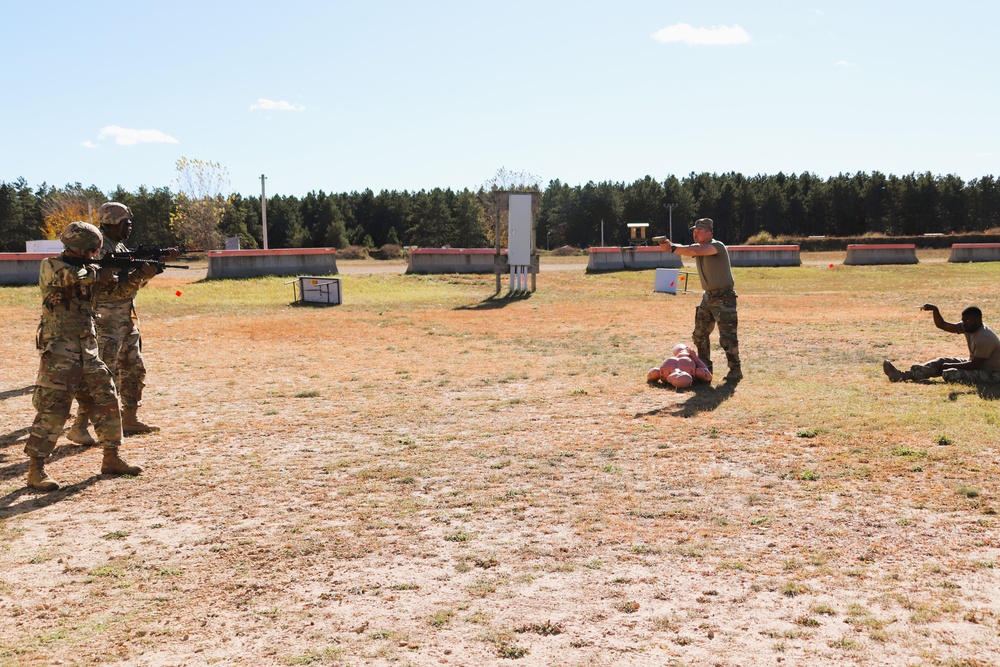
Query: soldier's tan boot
x,y
37,478
78,431
131,424
894,374
115,465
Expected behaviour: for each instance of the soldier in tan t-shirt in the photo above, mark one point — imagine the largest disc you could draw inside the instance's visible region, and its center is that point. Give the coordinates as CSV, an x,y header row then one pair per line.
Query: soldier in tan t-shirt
x,y
981,366
718,304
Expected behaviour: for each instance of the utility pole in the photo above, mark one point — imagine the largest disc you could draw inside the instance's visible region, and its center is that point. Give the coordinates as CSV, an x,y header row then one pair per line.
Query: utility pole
x,y
602,232
263,209
670,213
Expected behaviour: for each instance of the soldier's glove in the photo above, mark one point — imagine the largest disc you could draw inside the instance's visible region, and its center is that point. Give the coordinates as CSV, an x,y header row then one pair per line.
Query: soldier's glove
x,y
150,270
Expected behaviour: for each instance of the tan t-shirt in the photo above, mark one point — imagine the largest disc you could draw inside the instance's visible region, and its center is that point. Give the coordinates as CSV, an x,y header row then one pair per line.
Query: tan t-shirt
x,y
984,343
714,271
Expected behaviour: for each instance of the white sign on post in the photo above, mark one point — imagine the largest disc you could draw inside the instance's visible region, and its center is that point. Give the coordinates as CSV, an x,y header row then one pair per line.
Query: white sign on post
x,y
519,230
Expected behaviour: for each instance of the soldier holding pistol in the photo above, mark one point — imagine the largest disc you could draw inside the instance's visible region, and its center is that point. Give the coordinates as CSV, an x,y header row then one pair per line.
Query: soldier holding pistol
x,y
718,304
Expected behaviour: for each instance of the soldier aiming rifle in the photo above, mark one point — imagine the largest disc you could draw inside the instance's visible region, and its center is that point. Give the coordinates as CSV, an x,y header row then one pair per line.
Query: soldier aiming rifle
x,y
119,339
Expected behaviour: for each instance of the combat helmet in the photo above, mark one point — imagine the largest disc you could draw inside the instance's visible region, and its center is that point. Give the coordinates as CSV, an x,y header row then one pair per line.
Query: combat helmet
x,y
82,237
111,213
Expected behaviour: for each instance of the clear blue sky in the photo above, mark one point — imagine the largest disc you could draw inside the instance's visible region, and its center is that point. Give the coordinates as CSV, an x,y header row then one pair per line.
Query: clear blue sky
x,y
343,96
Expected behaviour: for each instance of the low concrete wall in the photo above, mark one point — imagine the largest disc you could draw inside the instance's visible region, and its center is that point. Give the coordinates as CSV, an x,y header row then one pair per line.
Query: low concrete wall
x,y
632,259
884,253
281,262
764,255
975,252
452,260
21,268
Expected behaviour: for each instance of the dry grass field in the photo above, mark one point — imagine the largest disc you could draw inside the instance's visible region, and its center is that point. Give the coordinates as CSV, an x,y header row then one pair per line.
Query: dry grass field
x,y
425,475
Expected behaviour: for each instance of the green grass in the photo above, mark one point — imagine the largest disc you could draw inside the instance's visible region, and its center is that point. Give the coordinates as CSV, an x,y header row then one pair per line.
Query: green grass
x,y
115,535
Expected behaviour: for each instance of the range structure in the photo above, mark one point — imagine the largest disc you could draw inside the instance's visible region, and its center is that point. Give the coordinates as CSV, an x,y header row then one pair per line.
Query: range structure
x,y
521,260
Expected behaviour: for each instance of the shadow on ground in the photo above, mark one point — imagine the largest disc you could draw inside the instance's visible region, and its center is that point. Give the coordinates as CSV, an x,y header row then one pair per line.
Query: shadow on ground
x,y
987,392
496,301
14,393
14,436
25,500
701,398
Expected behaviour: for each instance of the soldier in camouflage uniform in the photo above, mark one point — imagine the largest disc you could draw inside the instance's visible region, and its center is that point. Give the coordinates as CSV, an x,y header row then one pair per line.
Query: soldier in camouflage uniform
x,y
718,304
67,342
118,327
982,366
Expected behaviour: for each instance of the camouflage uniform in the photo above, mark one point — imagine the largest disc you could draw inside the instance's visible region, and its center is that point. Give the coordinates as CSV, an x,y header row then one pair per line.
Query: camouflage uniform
x,y
718,303
717,306
118,330
119,341
933,369
67,343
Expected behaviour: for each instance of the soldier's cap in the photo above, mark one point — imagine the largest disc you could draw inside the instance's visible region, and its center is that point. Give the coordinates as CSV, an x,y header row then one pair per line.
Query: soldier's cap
x,y
111,213
703,223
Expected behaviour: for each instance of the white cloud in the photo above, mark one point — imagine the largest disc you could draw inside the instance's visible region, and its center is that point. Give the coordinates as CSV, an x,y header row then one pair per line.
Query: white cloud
x,y
844,63
714,36
124,136
90,144
264,104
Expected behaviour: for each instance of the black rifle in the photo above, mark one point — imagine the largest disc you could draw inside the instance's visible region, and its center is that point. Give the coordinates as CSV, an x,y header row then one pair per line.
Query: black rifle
x,y
121,261
146,252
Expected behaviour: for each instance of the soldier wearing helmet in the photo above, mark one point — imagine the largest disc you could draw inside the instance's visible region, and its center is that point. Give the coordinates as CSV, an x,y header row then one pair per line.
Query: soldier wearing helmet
x,y
67,343
118,336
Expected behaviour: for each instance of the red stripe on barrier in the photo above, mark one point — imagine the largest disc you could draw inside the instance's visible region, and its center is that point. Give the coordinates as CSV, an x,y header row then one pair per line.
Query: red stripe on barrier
x,y
14,256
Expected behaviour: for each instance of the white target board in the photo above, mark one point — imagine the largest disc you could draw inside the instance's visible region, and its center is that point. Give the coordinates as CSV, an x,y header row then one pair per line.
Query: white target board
x,y
666,280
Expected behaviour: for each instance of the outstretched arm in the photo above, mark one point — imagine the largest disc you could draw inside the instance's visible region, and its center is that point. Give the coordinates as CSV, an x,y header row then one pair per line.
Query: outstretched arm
x,y
693,250
950,327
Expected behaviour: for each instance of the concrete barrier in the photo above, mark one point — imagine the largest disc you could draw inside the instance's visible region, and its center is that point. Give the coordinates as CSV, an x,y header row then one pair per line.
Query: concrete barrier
x,y
881,253
452,260
632,259
281,262
975,252
21,268
764,255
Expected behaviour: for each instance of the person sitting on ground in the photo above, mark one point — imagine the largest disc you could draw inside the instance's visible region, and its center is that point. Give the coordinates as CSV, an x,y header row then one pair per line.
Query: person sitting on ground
x,y
982,364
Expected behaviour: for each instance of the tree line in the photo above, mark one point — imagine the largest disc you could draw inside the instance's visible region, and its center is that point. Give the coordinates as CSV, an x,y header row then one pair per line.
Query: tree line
x,y
782,205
